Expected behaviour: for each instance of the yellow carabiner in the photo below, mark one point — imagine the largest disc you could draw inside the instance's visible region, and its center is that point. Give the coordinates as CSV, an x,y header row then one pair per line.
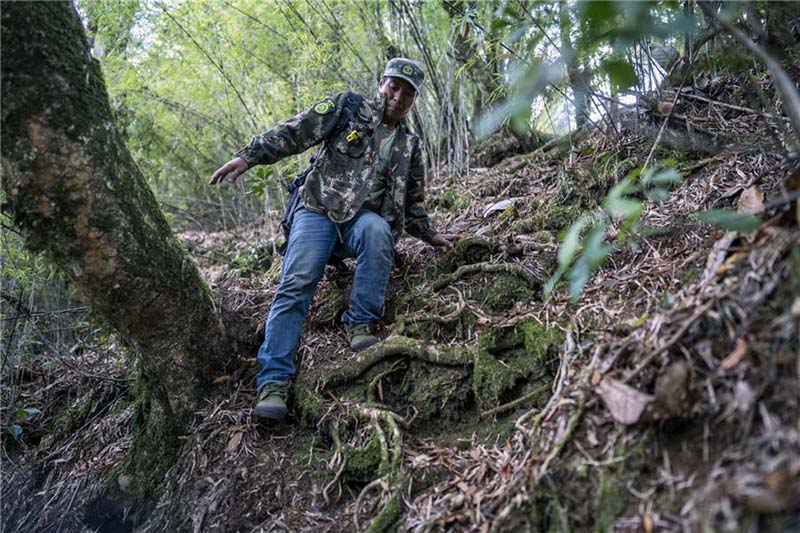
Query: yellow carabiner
x,y
352,136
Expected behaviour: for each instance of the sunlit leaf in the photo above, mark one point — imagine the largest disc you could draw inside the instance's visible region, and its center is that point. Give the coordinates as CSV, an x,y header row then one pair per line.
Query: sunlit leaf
x,y
618,205
620,74
579,276
658,194
555,278
572,241
593,248
730,220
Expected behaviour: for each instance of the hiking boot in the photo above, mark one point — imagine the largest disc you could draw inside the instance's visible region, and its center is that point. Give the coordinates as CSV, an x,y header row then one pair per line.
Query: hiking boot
x,y
272,400
360,336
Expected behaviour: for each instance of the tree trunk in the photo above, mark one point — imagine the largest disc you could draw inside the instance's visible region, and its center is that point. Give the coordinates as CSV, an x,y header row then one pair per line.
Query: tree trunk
x,y
75,191
578,79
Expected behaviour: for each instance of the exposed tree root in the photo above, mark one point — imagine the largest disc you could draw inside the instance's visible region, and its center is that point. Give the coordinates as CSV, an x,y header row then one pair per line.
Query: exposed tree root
x,y
338,456
399,346
390,479
489,268
374,390
401,325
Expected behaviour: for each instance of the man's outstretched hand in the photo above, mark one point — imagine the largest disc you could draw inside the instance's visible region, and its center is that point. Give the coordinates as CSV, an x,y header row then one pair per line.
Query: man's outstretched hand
x,y
444,240
232,170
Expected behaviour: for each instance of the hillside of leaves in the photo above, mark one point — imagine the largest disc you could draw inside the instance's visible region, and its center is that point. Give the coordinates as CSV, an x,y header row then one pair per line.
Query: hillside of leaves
x,y
664,397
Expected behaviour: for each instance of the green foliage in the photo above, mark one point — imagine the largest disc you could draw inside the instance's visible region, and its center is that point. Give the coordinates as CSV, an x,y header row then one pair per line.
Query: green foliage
x,y
260,181
21,415
584,248
729,220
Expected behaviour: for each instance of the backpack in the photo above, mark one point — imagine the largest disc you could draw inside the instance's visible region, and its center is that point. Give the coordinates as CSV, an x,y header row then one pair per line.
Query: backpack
x,y
351,105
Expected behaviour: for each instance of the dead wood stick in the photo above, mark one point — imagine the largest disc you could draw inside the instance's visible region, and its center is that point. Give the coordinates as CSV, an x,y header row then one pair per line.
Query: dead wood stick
x,y
371,485
784,84
663,127
731,106
491,268
513,403
672,341
559,445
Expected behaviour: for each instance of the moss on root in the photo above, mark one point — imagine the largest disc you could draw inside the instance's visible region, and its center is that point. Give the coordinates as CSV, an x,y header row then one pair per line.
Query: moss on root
x,y
510,358
505,291
153,449
389,516
550,216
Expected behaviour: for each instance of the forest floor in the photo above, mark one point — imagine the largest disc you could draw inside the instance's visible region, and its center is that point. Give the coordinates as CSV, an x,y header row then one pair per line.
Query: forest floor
x,y
665,398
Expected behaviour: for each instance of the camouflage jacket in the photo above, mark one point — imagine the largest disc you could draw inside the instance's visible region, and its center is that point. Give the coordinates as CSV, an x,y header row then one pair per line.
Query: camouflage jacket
x,y
347,161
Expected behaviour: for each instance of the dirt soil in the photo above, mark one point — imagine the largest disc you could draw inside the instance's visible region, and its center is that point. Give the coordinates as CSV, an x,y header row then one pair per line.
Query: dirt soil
x,y
665,398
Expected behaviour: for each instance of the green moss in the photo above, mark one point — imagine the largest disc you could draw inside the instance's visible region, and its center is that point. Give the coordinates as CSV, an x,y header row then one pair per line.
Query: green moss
x,y
308,405
549,215
389,514
505,291
609,503
512,357
689,276
364,462
450,199
330,303
152,453
490,379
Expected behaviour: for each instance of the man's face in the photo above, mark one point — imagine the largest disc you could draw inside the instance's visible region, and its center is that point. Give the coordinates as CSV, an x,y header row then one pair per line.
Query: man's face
x,y
400,96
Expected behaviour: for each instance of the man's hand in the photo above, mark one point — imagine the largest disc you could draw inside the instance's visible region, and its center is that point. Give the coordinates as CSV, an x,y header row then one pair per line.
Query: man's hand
x,y
232,170
444,240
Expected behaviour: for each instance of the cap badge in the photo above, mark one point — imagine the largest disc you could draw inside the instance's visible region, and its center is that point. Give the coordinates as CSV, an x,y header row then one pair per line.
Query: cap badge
x,y
407,70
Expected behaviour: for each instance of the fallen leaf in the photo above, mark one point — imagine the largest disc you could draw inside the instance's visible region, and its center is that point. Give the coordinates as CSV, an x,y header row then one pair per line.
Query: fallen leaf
x,y
743,396
736,356
625,403
502,205
671,389
234,442
751,201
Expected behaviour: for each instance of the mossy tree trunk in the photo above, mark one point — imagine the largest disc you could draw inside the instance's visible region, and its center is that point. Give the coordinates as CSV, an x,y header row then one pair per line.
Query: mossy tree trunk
x,y
77,194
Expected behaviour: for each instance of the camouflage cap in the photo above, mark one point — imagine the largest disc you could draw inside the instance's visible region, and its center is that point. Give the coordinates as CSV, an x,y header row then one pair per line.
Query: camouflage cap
x,y
400,67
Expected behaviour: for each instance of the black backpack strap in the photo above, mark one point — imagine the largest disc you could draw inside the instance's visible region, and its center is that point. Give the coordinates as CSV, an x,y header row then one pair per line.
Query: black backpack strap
x,y
352,101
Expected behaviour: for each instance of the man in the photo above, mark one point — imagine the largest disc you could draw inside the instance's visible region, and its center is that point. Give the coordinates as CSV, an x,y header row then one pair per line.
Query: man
x,y
365,187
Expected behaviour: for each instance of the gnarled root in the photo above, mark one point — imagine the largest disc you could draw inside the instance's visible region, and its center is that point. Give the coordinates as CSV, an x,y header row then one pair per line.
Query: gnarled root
x,y
399,346
490,268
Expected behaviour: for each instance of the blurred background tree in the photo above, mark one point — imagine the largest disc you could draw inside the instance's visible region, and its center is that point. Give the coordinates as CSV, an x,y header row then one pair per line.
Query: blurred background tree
x,y
193,81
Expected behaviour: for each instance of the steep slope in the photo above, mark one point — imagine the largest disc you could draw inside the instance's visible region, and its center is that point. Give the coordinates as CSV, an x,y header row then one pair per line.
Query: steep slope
x,y
666,397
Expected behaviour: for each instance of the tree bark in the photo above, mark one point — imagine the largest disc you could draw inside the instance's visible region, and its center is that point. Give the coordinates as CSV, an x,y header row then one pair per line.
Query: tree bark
x,y
77,194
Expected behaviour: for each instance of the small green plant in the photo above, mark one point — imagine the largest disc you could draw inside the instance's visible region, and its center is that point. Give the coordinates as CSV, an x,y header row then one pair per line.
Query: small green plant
x,y
584,248
260,181
20,416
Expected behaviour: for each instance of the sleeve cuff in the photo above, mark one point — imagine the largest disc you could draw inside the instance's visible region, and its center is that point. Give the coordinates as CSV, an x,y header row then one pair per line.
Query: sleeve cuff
x,y
245,154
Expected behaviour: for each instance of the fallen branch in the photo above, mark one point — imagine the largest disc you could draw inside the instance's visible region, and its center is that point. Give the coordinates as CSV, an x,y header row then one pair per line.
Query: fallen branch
x,y
514,403
784,84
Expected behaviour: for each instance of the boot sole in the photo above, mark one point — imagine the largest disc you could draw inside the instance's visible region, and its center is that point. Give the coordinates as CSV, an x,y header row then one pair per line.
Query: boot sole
x,y
271,413
364,344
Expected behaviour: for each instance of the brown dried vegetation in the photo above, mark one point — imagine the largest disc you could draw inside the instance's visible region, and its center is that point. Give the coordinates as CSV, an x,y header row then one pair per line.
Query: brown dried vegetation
x,y
665,398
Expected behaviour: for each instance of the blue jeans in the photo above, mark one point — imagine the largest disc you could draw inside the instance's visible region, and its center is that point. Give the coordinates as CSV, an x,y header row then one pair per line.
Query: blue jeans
x,y
367,237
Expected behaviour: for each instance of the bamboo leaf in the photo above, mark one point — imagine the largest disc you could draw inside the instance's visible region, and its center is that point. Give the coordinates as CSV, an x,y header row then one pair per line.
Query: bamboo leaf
x,y
729,220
